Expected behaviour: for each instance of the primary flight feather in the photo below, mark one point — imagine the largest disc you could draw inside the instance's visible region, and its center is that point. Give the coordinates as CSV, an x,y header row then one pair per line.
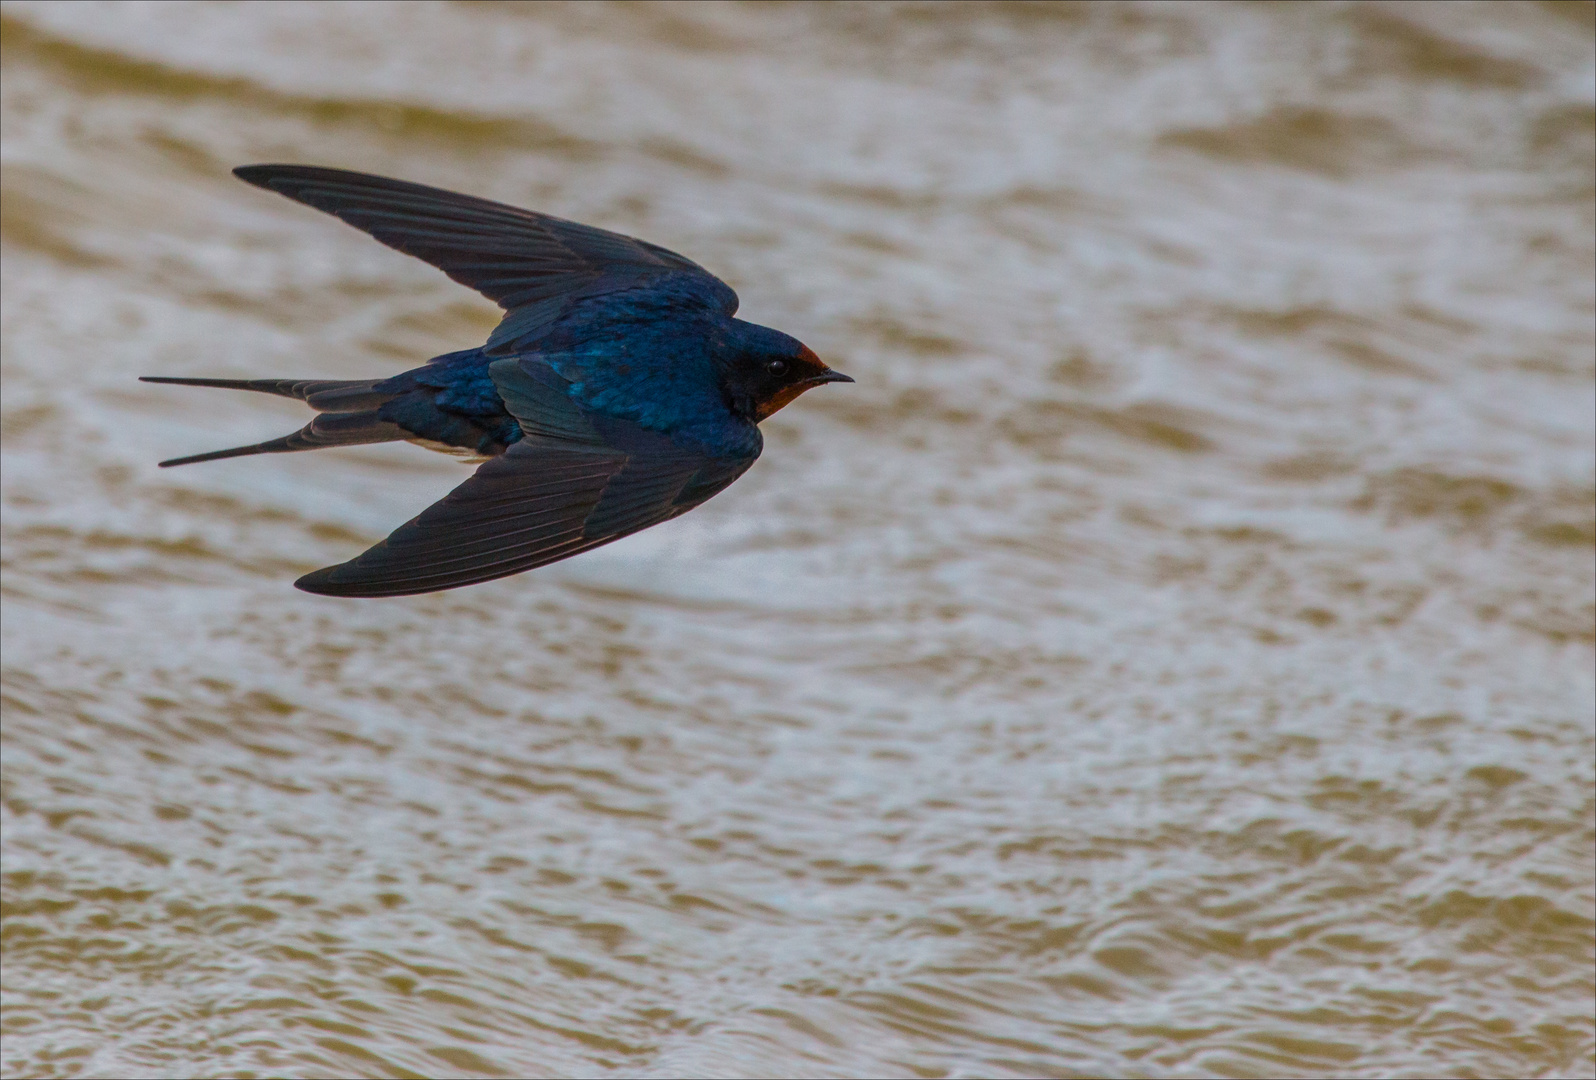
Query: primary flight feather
x,y
617,392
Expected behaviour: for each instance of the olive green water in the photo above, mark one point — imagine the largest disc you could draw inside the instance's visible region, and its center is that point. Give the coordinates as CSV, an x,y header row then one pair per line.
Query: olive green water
x,y
1172,658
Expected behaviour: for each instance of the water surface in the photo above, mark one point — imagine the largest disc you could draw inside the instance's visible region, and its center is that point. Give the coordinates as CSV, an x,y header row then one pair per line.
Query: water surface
x,y
1172,658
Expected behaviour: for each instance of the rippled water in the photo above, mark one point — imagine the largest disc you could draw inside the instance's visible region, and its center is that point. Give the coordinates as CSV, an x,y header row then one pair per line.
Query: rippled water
x,y
1173,657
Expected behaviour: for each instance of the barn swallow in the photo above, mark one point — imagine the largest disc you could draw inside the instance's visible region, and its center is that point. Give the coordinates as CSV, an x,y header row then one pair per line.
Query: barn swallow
x,y
616,393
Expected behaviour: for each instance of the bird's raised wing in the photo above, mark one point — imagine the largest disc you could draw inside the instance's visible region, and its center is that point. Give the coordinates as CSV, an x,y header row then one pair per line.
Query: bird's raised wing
x,y
576,480
532,265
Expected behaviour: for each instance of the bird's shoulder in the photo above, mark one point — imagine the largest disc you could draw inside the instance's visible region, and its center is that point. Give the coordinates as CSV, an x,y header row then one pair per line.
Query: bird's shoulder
x,y
625,399
613,297
651,357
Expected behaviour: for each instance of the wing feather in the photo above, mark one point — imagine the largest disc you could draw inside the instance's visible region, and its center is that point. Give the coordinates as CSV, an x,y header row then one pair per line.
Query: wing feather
x,y
517,258
543,500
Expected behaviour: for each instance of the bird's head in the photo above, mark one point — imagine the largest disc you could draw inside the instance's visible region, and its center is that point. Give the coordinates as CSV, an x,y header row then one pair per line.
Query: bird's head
x,y
764,369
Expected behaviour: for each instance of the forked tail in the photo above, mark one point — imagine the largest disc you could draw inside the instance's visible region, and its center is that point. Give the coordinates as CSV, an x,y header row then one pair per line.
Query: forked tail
x,y
348,415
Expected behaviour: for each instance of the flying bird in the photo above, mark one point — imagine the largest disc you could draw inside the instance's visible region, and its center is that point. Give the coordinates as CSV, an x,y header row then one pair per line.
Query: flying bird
x,y
616,393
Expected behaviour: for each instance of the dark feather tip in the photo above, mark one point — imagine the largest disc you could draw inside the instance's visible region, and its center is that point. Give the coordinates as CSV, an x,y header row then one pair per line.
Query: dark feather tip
x,y
320,582
259,175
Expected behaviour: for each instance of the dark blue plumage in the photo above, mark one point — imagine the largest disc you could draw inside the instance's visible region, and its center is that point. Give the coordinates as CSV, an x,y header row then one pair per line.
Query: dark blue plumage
x,y
617,392
452,401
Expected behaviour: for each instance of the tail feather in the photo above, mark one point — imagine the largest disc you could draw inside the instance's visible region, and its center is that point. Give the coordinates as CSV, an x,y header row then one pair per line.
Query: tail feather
x,y
328,429
323,395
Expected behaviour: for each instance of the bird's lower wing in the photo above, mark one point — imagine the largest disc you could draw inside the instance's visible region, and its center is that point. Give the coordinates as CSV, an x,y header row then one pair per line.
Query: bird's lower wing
x,y
541,501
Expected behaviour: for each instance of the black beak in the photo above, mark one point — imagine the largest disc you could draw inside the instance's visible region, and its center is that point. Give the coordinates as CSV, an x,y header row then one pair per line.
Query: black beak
x,y
829,376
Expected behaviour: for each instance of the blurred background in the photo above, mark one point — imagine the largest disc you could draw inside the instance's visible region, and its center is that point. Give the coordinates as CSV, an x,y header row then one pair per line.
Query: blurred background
x,y
1172,658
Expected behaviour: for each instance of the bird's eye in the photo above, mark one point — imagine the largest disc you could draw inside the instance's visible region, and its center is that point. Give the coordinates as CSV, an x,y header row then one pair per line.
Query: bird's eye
x,y
778,368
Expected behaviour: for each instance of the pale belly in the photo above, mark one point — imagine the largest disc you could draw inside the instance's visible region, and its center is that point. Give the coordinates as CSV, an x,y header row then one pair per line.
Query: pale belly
x,y
453,451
